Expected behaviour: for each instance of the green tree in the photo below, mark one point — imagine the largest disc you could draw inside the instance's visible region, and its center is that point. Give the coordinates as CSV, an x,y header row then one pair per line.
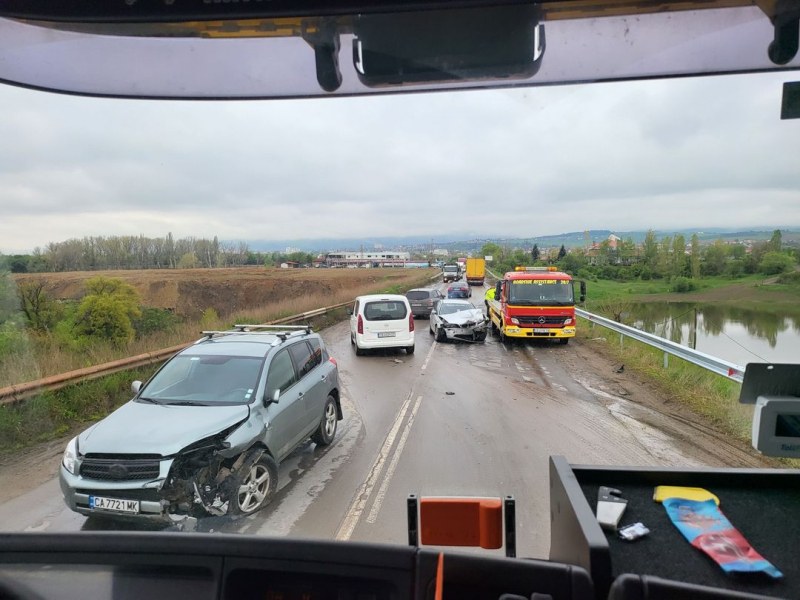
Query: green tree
x,y
562,252
535,254
188,261
678,256
665,256
8,298
107,310
650,251
572,262
715,256
39,308
774,263
775,242
694,258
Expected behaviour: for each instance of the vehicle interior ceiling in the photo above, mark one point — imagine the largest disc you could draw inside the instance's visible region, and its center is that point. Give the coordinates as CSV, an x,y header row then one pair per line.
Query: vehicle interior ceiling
x,y
206,50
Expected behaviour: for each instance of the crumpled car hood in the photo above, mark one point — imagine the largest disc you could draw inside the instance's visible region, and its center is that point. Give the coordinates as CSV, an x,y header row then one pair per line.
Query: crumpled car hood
x,y
474,316
138,428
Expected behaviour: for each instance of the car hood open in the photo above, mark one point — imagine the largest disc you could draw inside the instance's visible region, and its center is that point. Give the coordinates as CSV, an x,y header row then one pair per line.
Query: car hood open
x,y
137,428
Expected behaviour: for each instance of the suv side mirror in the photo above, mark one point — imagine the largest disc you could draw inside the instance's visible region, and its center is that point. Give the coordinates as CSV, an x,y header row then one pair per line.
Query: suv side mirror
x,y
136,386
274,399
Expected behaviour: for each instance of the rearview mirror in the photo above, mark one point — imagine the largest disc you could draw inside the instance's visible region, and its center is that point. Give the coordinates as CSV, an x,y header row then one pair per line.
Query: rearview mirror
x,y
136,386
445,45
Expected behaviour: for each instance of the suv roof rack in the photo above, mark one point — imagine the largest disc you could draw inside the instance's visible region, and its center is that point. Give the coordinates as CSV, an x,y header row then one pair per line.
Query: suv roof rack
x,y
282,332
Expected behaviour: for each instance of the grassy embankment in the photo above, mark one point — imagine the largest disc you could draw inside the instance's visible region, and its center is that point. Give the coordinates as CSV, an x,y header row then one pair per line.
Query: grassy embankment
x,y
54,414
710,395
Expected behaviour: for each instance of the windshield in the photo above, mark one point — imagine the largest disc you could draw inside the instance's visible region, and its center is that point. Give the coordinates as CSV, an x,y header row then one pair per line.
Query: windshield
x,y
129,226
447,308
557,292
204,380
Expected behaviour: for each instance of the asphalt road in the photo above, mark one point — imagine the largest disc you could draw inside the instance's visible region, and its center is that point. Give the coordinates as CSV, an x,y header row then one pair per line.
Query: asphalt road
x,y
452,419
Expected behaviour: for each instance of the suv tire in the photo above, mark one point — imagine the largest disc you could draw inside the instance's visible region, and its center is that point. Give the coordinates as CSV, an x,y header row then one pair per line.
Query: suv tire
x,y
326,431
254,487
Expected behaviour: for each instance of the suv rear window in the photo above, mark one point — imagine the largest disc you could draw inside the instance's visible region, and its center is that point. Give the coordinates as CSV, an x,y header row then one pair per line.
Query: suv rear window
x,y
385,310
418,295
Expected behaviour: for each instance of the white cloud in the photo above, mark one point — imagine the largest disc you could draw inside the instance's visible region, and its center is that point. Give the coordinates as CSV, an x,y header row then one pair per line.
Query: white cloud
x,y
661,154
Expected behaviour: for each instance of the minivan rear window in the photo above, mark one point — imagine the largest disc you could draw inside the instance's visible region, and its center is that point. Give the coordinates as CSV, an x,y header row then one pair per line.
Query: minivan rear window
x,y
385,310
418,295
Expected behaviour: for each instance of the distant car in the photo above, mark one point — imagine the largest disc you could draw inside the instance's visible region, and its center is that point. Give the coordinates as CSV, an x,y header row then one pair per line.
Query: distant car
x,y
459,290
205,434
382,321
458,319
422,300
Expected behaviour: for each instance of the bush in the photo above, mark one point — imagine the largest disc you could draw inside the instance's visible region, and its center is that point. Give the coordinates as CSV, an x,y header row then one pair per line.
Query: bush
x,y
792,278
107,311
775,263
682,285
154,319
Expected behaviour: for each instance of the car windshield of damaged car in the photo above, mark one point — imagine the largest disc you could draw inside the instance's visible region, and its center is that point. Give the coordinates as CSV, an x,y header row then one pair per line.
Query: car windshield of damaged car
x,y
448,308
533,292
204,381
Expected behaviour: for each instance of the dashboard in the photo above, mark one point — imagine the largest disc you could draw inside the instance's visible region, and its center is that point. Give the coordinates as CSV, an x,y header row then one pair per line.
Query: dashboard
x,y
177,566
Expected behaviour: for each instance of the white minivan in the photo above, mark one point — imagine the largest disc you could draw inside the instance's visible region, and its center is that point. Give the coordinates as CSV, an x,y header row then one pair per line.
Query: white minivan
x,y
382,321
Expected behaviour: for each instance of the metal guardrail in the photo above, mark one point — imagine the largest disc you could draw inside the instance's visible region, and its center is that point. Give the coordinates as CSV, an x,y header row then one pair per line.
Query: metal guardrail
x,y
16,393
19,392
711,363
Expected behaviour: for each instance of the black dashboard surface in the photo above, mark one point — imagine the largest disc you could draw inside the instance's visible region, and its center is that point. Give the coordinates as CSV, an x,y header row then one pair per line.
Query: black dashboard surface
x,y
127,565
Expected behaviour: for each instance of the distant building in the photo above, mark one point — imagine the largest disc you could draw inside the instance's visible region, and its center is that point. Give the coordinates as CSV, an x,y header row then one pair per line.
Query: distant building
x,y
389,258
441,252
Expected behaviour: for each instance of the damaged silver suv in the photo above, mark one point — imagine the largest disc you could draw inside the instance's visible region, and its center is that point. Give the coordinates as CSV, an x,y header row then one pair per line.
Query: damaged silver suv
x,y
205,434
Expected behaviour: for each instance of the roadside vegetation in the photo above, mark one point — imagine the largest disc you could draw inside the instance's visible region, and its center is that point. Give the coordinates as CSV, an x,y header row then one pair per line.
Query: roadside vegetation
x,y
40,336
762,276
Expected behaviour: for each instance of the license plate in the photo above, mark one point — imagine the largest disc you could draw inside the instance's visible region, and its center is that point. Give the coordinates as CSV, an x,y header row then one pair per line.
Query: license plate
x,y
114,504
540,330
382,334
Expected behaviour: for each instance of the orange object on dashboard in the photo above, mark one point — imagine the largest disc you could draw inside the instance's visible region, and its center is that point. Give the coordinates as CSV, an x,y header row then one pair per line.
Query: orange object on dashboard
x,y
462,522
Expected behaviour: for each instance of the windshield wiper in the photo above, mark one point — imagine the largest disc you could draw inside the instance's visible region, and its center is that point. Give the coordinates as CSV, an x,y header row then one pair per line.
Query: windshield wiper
x,y
148,400
186,403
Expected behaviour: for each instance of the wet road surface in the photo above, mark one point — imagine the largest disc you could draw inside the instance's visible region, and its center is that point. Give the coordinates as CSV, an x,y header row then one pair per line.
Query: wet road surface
x,y
452,419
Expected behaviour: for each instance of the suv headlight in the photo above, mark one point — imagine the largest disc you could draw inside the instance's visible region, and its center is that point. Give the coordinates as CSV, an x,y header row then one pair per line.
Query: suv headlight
x,y
70,460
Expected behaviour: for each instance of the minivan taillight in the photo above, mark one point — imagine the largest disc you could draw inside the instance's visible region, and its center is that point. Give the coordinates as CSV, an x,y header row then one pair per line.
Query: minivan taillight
x,y
410,322
333,360
360,325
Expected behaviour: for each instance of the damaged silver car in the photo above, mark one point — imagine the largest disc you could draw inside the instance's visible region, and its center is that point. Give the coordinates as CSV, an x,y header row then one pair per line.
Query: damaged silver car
x,y
458,319
204,436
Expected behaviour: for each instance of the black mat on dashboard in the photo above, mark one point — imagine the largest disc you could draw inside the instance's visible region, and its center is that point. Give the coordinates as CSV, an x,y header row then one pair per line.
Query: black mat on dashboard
x,y
769,518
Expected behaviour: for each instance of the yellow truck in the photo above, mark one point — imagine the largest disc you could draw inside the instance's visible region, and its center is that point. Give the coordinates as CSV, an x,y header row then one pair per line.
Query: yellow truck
x,y
476,271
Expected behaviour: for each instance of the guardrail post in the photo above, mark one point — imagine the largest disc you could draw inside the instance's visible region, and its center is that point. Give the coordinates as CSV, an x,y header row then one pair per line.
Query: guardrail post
x,y
666,360
621,340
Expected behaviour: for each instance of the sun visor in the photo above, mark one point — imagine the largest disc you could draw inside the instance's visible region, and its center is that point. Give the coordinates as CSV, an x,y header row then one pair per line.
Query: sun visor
x,y
355,54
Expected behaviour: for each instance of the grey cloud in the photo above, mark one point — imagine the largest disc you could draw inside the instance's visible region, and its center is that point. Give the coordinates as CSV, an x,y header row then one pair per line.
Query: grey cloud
x,y
506,162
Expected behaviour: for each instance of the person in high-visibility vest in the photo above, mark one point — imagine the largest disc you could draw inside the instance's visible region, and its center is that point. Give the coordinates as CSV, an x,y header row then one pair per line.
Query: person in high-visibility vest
x,y
489,296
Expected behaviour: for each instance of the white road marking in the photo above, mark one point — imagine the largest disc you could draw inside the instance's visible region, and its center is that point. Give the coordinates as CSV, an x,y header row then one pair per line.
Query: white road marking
x,y
356,508
430,354
376,506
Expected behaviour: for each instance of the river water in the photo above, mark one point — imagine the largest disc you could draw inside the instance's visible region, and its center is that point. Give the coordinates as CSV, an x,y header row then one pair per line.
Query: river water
x,y
733,334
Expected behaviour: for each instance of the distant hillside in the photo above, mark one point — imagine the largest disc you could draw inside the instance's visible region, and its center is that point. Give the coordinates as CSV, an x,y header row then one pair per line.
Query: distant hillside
x,y
470,242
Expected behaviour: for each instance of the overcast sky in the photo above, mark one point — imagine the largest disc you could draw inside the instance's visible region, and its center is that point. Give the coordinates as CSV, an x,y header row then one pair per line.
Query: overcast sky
x,y
539,161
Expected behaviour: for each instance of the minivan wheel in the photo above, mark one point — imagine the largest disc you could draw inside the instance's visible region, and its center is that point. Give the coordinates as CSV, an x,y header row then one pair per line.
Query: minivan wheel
x,y
255,487
326,431
359,351
410,350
